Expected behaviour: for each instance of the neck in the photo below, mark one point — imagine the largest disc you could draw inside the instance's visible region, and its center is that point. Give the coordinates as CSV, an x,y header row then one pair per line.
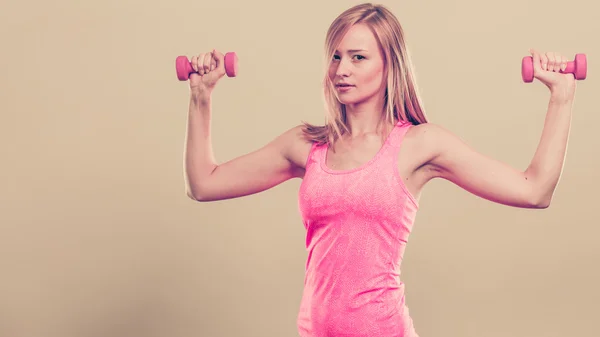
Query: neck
x,y
365,118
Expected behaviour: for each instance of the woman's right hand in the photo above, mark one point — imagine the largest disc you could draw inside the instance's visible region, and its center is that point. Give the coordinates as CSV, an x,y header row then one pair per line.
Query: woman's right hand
x,y
209,68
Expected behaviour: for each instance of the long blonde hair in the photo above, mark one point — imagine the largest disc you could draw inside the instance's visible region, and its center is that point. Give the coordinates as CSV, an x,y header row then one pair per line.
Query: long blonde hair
x,y
402,101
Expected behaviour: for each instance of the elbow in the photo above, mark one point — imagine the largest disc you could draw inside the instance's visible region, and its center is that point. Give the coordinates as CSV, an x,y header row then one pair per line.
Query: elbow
x,y
197,197
193,193
540,195
542,202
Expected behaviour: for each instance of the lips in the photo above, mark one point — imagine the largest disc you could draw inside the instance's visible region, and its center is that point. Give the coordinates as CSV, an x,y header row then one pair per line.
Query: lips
x,y
343,85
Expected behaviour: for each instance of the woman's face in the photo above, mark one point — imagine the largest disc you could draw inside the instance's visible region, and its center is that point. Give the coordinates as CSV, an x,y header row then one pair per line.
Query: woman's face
x,y
357,62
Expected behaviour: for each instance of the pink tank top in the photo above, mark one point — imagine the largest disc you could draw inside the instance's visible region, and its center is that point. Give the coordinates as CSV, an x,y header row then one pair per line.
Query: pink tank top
x,y
357,225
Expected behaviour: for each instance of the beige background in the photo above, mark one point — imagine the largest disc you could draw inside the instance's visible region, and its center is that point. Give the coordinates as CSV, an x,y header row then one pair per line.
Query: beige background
x,y
99,239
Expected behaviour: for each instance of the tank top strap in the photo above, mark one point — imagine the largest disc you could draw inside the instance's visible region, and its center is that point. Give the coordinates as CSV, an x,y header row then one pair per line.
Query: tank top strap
x,y
391,147
314,155
397,135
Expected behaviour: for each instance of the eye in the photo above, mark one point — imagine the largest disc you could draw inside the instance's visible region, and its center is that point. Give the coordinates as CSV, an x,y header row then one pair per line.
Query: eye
x,y
336,57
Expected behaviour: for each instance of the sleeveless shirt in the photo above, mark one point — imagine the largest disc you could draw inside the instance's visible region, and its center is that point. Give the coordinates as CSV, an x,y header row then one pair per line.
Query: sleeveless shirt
x,y
357,225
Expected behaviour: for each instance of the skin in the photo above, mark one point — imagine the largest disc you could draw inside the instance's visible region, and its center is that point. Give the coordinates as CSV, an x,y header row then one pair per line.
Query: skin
x,y
428,151
364,70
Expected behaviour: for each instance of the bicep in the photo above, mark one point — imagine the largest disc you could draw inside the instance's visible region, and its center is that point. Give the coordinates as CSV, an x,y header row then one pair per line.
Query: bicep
x,y
479,174
251,173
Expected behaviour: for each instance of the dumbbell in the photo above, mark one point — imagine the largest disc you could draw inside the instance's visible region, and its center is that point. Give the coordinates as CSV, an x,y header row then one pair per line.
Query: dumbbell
x,y
183,66
577,68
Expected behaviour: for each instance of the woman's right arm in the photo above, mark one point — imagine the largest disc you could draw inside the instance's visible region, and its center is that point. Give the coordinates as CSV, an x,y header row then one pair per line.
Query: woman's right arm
x,y
248,174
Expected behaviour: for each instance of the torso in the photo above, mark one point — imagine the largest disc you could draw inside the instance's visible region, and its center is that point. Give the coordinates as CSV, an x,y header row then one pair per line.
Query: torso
x,y
411,164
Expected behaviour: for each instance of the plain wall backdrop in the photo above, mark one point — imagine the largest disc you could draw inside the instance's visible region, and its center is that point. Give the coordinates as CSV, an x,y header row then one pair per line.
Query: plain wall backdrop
x,y
99,239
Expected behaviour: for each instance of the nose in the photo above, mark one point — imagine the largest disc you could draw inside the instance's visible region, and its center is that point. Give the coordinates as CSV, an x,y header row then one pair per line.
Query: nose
x,y
342,70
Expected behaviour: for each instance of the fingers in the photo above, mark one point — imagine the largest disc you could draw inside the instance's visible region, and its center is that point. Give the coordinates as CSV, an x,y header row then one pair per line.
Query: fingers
x,y
544,62
556,62
198,63
563,62
219,60
549,61
206,62
194,62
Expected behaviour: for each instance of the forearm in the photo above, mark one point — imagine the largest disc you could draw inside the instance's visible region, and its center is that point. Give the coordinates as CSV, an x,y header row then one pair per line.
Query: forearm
x,y
199,157
547,164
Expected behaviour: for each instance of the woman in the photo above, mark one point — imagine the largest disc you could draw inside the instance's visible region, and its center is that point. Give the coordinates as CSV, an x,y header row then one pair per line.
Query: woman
x,y
363,171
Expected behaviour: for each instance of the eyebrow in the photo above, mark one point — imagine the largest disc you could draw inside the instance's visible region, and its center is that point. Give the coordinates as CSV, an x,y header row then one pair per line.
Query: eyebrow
x,y
352,50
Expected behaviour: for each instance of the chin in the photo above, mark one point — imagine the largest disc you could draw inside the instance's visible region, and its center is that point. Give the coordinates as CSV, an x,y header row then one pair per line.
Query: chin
x,y
348,101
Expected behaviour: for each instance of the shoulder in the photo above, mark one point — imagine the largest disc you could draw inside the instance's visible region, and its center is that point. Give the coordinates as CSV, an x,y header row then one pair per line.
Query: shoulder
x,y
443,149
428,135
296,145
292,136
427,131
430,141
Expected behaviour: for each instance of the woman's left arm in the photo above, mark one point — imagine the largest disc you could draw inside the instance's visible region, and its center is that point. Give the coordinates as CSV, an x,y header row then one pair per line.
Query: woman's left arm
x,y
454,160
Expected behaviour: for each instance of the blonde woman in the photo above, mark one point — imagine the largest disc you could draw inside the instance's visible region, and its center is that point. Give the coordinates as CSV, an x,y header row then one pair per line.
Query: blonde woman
x,y
363,171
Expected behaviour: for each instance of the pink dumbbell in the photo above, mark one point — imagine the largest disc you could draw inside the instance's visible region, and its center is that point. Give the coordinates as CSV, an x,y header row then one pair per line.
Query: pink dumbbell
x,y
577,68
183,66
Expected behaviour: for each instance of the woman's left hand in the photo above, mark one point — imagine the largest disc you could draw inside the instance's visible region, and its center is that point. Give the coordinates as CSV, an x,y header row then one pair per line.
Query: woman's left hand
x,y
546,67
